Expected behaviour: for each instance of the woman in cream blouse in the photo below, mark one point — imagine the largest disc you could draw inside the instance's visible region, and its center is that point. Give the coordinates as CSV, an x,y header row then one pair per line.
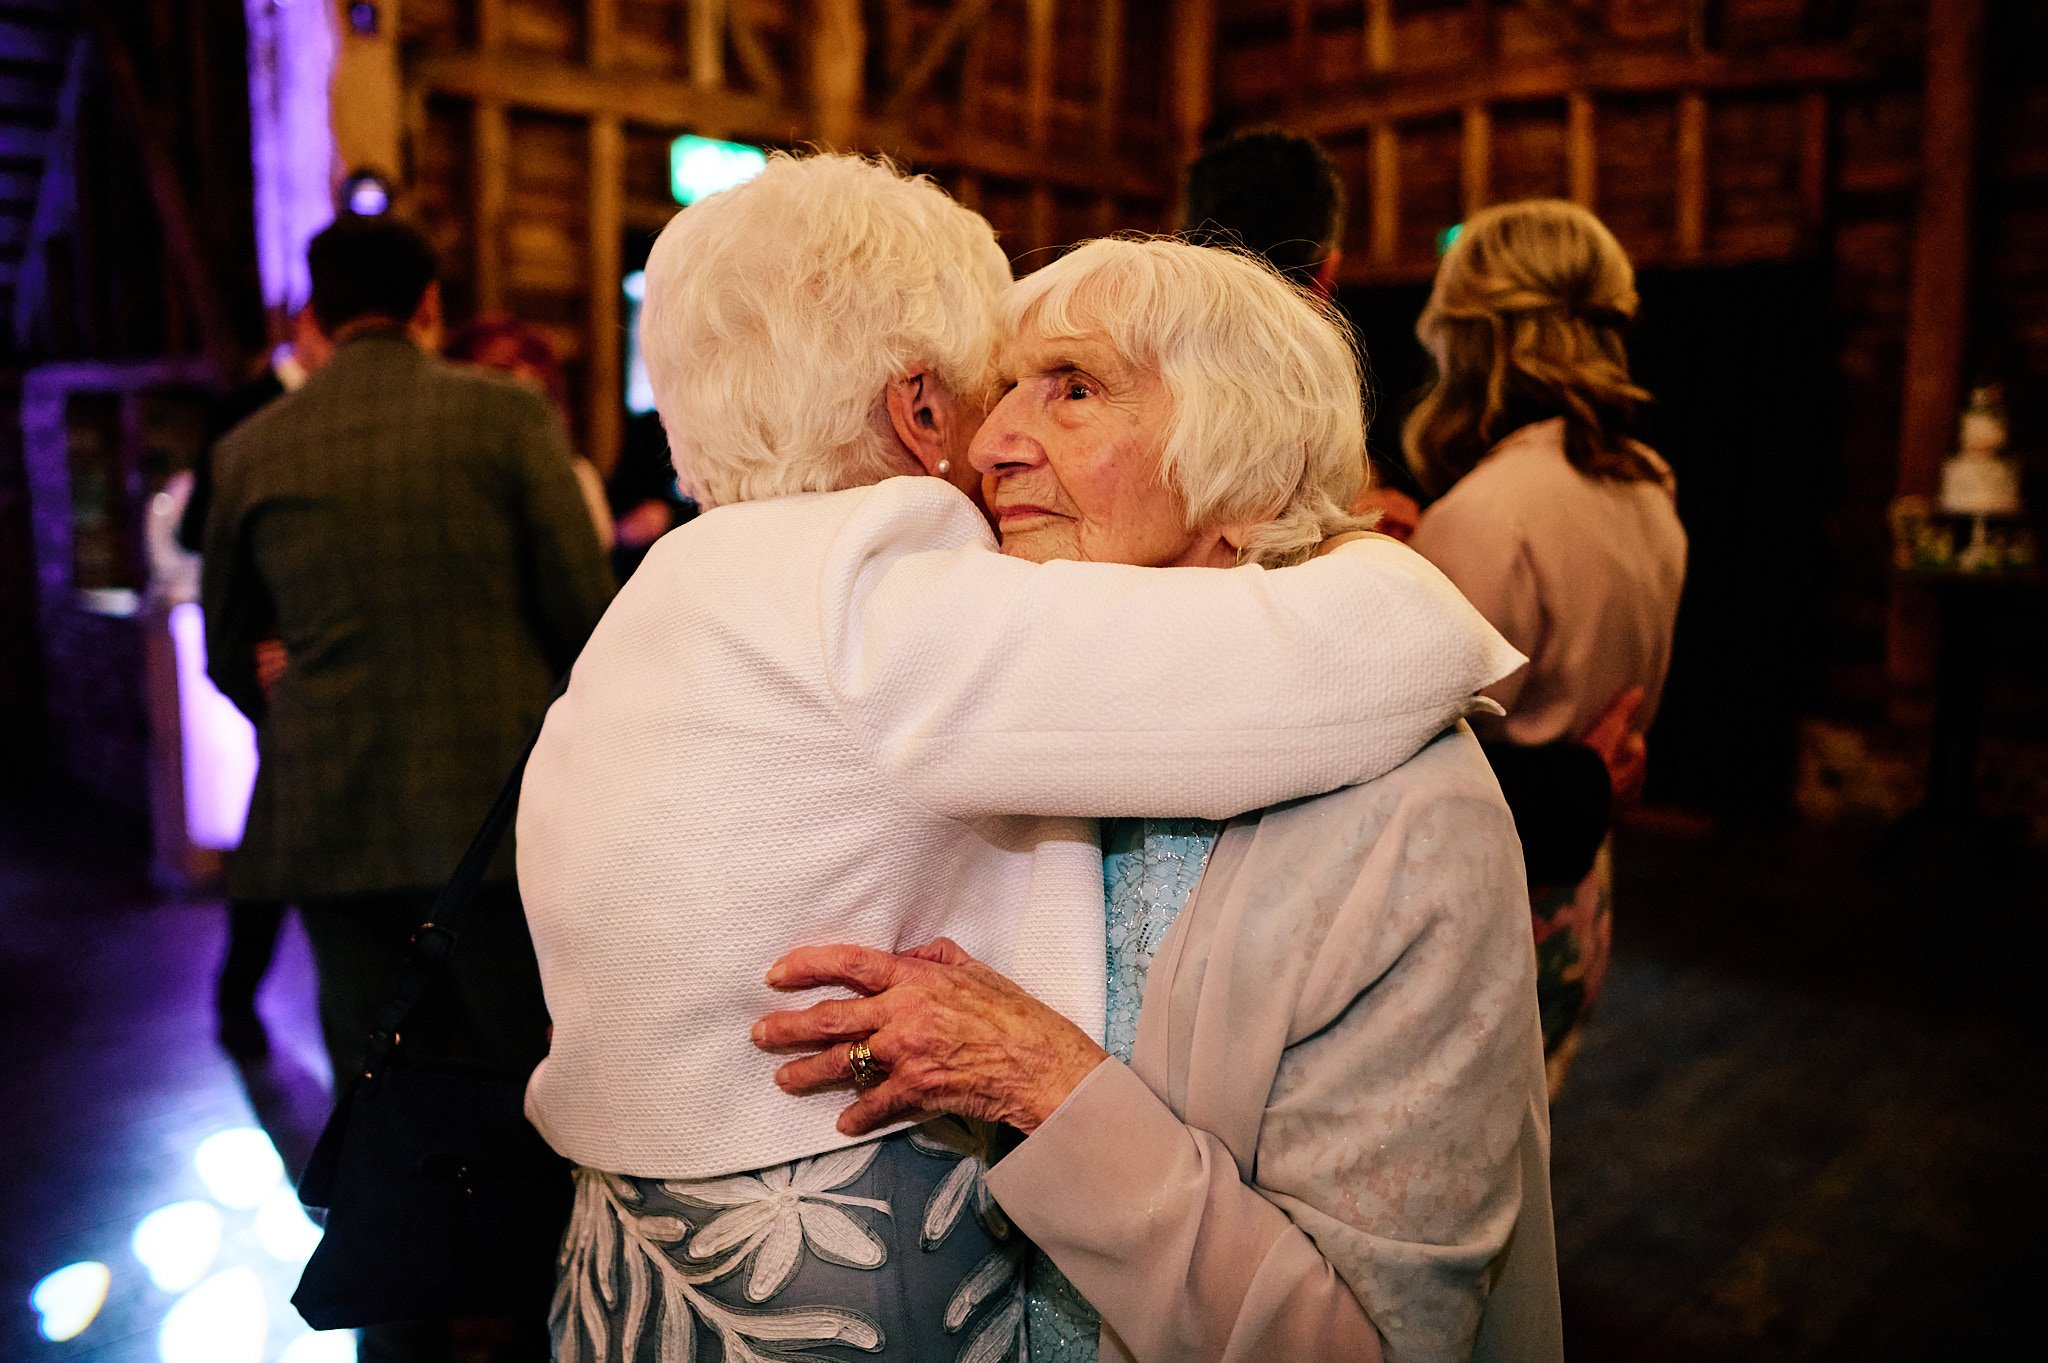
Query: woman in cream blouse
x,y
1315,1128
828,709
1558,526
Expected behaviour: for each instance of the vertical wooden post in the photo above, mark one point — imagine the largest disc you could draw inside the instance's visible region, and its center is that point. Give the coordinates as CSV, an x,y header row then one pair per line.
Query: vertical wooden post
x,y
973,77
1301,55
1582,149
600,33
837,61
1039,18
1379,36
1937,311
1385,190
491,154
1109,98
1476,170
606,382
1813,163
707,44
1691,224
366,108
1194,74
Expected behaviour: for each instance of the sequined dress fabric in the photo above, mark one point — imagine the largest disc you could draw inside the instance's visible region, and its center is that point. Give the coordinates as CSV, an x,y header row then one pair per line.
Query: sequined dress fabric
x,y
1150,868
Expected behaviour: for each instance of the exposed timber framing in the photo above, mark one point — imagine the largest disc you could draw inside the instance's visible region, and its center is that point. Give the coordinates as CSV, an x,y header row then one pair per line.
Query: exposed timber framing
x,y
1581,150
1194,74
1039,18
836,56
1476,159
605,365
1690,211
964,18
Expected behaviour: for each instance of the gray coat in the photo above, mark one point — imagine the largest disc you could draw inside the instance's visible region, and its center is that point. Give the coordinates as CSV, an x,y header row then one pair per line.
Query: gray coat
x,y
1332,1140
413,533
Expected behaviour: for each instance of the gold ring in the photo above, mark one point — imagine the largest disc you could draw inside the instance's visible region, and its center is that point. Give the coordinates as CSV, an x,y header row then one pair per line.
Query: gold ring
x,y
867,1071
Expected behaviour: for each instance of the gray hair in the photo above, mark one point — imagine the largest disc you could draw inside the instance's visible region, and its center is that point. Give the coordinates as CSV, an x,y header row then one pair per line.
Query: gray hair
x,y
778,312
1268,421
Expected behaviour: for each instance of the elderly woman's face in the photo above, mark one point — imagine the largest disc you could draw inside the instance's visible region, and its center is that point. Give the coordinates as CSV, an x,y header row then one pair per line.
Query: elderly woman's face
x,y
1069,458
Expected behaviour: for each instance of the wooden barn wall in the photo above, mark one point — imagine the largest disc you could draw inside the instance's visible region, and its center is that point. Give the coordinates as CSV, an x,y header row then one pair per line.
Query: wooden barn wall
x,y
1706,134
537,131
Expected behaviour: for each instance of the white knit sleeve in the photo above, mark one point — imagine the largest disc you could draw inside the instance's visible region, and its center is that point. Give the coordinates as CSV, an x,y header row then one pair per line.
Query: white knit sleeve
x,y
986,685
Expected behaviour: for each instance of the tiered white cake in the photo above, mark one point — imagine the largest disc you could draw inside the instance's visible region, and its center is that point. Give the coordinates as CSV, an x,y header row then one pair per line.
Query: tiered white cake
x,y
1979,481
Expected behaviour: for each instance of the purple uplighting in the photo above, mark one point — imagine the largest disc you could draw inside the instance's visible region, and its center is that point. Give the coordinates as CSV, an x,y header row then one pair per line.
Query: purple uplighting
x,y
291,64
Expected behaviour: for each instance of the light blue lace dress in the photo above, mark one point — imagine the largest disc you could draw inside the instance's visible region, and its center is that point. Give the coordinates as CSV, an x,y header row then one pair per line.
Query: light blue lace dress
x,y
1150,868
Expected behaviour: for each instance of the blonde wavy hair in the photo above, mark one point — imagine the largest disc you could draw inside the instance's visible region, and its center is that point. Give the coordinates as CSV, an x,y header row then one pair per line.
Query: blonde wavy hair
x,y
1267,424
1525,323
777,313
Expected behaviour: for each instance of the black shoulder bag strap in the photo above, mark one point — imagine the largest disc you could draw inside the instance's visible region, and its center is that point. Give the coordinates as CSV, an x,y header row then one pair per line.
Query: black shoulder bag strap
x,y
434,941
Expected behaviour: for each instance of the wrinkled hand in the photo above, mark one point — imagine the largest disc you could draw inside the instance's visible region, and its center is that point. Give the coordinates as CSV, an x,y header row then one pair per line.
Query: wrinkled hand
x,y
1622,750
271,661
954,1036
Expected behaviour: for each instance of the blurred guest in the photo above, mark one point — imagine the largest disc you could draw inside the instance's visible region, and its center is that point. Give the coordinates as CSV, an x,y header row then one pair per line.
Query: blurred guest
x,y
411,532
644,494
510,346
1279,195
253,924
1562,529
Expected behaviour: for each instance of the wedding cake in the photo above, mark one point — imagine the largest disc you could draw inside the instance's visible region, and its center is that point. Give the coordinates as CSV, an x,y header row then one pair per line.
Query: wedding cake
x,y
1979,480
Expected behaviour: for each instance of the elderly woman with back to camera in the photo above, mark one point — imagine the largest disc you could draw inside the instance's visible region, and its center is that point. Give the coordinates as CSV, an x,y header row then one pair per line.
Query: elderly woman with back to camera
x,y
828,709
1317,1127
1562,529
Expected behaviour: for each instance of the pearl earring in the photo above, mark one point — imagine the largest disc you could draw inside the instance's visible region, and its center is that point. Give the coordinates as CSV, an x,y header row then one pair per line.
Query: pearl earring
x,y
945,467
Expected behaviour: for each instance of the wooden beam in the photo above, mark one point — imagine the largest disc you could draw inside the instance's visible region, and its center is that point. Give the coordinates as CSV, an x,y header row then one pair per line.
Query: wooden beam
x,y
565,88
1627,72
1385,190
837,55
1379,35
1109,71
1691,210
1582,150
1301,46
600,34
1194,74
972,153
1814,158
1937,306
491,148
754,56
707,44
965,17
23,144
1476,168
190,264
1039,18
367,104
604,373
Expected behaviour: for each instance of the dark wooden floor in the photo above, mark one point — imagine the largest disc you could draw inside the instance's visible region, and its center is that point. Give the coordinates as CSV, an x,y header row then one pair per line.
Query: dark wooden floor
x,y
1809,1121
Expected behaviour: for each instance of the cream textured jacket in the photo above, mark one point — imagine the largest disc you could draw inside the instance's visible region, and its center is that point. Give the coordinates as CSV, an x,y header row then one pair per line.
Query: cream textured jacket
x,y
1582,574
1332,1142
843,717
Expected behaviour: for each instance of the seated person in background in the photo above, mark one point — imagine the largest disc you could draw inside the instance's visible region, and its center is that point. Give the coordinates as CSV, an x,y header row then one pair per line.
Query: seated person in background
x,y
828,709
1562,529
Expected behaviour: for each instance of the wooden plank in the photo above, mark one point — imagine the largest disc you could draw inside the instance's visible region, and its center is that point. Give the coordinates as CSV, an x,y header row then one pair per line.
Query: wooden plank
x,y
600,34
1379,35
1039,16
1690,228
23,144
1814,146
837,49
1629,72
1476,168
1582,151
491,146
1937,306
1109,70
965,17
558,87
33,43
605,374
753,54
1194,74
707,44
490,24
973,153
1300,47
1385,189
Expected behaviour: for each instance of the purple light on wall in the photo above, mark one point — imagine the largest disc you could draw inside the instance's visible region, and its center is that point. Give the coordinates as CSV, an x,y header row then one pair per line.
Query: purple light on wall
x,y
291,141
219,744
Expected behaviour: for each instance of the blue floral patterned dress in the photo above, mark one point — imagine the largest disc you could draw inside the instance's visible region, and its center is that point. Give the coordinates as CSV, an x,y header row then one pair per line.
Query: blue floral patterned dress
x,y
1150,868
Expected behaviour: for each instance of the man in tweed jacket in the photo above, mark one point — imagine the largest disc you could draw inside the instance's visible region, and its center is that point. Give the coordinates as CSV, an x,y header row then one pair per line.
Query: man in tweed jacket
x,y
413,533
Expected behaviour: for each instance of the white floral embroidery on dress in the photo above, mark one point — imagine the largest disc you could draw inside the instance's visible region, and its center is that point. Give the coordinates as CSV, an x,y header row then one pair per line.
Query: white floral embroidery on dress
x,y
773,1216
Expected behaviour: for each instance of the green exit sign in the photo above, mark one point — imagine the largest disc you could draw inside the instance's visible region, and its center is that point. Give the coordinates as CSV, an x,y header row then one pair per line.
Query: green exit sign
x,y
701,166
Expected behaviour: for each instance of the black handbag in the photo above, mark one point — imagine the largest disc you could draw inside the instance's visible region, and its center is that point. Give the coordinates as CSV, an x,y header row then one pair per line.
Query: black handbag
x,y
442,1200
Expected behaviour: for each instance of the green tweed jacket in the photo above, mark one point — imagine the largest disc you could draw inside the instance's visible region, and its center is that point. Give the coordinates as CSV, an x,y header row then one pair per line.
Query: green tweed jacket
x,y
413,533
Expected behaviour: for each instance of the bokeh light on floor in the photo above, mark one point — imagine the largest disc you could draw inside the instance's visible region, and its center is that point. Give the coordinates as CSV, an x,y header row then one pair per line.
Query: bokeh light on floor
x,y
239,1166
67,1301
177,1244
223,1320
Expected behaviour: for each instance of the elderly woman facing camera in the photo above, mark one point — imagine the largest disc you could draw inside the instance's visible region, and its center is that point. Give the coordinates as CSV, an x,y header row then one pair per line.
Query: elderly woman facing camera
x,y
828,709
1316,1128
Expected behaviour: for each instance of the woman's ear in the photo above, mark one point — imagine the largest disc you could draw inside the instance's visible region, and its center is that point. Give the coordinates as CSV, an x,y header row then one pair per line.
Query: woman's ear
x,y
920,416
